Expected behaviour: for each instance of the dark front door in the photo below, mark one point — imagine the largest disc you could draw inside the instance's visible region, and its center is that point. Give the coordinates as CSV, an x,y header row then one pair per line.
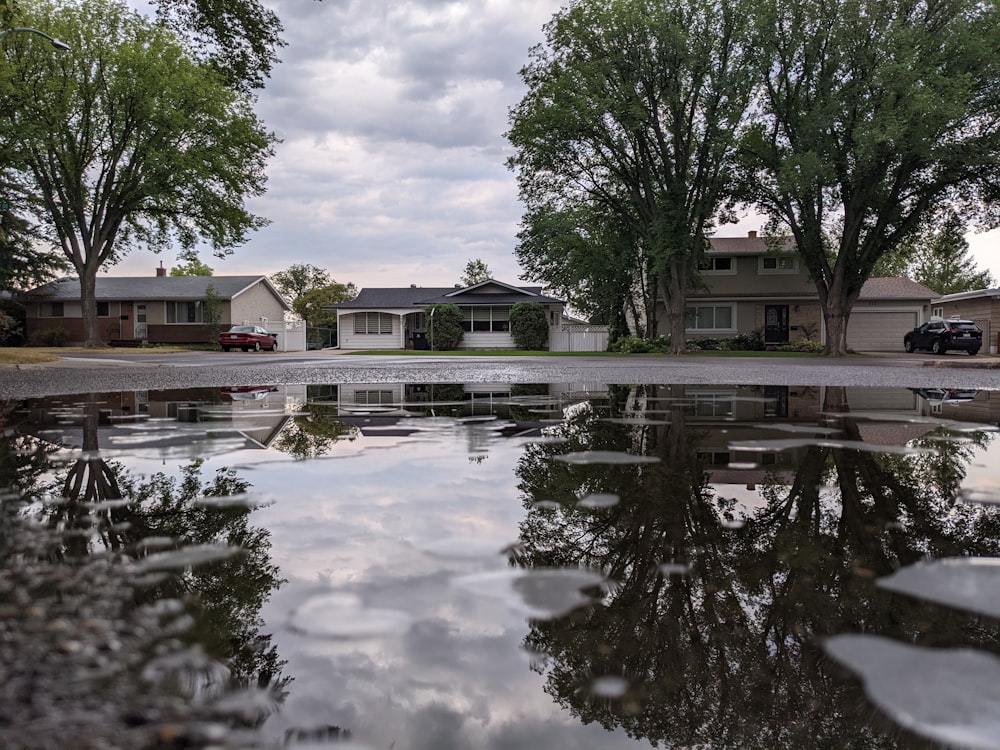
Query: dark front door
x,y
775,324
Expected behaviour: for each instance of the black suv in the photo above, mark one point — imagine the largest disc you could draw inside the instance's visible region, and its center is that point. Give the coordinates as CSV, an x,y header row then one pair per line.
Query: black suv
x,y
939,335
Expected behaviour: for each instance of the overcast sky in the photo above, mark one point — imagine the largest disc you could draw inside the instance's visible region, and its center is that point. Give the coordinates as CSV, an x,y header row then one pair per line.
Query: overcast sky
x,y
391,167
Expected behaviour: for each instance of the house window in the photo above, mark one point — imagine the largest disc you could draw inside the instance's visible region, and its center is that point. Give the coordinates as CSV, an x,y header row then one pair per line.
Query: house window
x,y
52,310
716,318
713,405
486,319
186,312
103,309
368,323
373,398
779,264
717,265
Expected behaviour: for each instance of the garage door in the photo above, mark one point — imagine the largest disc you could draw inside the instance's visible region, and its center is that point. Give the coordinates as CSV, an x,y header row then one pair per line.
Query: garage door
x,y
879,331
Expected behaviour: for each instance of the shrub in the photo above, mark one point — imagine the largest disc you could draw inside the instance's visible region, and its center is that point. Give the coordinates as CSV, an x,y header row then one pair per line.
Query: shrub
x,y
10,329
444,327
49,337
636,345
747,342
529,326
802,345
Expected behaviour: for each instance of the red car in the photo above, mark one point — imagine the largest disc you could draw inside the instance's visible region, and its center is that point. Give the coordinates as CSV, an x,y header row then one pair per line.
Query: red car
x,y
247,338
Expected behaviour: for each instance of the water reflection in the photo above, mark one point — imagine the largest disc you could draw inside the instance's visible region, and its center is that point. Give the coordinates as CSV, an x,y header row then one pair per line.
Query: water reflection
x,y
553,565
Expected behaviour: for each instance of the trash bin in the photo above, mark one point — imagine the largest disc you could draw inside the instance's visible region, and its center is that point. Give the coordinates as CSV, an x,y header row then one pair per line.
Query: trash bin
x,y
420,340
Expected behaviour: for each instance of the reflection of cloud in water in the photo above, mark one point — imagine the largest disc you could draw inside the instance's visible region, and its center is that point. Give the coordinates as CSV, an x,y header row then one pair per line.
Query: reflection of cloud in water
x,y
946,695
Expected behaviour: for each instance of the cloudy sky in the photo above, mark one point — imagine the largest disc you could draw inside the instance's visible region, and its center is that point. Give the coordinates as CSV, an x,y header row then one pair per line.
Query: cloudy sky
x,y
391,167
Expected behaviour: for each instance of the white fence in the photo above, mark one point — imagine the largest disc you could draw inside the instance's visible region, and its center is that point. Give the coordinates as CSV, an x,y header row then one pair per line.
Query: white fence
x,y
291,333
578,338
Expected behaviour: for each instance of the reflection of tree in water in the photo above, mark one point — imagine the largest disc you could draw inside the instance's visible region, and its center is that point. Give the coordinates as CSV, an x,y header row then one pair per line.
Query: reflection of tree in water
x,y
728,654
112,644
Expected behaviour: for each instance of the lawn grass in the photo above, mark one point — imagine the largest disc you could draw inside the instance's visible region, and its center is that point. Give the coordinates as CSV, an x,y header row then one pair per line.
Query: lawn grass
x,y
33,355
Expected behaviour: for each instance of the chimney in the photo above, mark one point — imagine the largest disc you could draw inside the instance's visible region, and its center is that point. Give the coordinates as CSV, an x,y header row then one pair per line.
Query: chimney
x,y
752,234
161,271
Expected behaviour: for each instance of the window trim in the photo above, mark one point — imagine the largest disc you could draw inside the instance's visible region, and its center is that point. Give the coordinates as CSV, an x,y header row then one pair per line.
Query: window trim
x,y
170,311
495,317
712,271
777,271
689,322
366,329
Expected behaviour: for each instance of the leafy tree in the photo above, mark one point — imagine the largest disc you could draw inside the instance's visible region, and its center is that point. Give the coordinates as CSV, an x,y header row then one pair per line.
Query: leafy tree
x,y
309,305
475,272
593,261
633,108
300,278
875,115
192,266
939,261
238,37
444,326
22,264
529,326
128,141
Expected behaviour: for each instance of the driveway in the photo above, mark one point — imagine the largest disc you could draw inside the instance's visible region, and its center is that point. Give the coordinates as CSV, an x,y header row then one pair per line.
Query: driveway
x,y
145,371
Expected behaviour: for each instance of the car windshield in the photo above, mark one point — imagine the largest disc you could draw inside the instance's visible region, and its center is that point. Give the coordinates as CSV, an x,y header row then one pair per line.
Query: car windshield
x,y
964,325
241,329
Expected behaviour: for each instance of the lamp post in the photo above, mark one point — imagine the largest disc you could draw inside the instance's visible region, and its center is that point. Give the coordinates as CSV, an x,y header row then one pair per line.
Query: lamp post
x,y
61,46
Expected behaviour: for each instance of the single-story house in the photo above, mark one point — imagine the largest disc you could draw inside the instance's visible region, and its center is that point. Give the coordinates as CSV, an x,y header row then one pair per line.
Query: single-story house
x,y
396,318
981,306
157,309
750,284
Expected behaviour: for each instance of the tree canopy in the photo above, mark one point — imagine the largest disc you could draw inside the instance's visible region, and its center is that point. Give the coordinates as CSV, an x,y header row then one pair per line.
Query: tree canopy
x,y
875,115
191,267
632,114
127,142
475,271
300,278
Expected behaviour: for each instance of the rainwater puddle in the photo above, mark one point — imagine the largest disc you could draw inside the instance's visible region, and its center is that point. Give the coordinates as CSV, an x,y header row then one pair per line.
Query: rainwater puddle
x,y
485,565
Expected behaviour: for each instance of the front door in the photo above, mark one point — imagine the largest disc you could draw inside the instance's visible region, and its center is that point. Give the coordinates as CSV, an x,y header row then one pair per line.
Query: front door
x,y
775,324
140,322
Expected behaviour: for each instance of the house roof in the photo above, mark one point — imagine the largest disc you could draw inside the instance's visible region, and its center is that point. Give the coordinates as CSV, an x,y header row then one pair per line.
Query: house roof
x,y
402,297
895,287
968,295
154,288
750,245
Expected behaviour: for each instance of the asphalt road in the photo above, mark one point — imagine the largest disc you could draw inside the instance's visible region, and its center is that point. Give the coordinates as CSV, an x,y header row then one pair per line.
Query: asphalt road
x,y
83,373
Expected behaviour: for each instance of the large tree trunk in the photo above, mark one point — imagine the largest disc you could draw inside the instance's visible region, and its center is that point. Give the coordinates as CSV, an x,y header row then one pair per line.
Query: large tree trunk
x,y
88,301
675,301
836,313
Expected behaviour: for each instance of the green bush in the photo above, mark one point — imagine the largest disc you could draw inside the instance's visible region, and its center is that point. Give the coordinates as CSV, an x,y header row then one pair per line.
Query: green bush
x,y
529,326
55,336
444,327
802,345
636,345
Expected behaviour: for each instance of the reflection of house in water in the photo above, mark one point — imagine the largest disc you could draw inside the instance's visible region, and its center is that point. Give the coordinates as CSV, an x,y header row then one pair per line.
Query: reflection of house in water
x,y
187,423
390,409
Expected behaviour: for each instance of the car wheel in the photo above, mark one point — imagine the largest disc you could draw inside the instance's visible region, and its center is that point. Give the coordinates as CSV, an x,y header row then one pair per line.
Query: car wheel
x,y
937,348
908,345
274,346
256,346
973,352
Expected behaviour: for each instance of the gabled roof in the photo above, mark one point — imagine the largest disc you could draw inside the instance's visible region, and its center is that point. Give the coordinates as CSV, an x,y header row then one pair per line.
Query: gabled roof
x,y
895,287
154,288
490,292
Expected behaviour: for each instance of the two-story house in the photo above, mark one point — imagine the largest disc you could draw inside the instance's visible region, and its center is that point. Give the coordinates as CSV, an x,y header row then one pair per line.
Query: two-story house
x,y
749,284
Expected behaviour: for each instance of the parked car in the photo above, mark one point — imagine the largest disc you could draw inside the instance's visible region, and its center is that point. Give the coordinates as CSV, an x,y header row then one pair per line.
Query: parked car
x,y
247,338
946,395
939,335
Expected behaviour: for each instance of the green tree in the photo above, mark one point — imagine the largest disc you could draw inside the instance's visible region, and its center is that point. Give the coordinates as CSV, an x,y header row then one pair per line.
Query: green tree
x,y
22,264
444,327
238,38
300,278
128,141
529,326
874,116
594,261
634,107
310,305
475,271
939,260
192,266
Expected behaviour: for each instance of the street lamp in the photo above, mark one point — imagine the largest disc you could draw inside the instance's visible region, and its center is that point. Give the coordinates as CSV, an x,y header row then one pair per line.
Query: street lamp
x,y
61,46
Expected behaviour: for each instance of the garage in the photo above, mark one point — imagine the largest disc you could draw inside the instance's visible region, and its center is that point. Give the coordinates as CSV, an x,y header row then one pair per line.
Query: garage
x,y
879,330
